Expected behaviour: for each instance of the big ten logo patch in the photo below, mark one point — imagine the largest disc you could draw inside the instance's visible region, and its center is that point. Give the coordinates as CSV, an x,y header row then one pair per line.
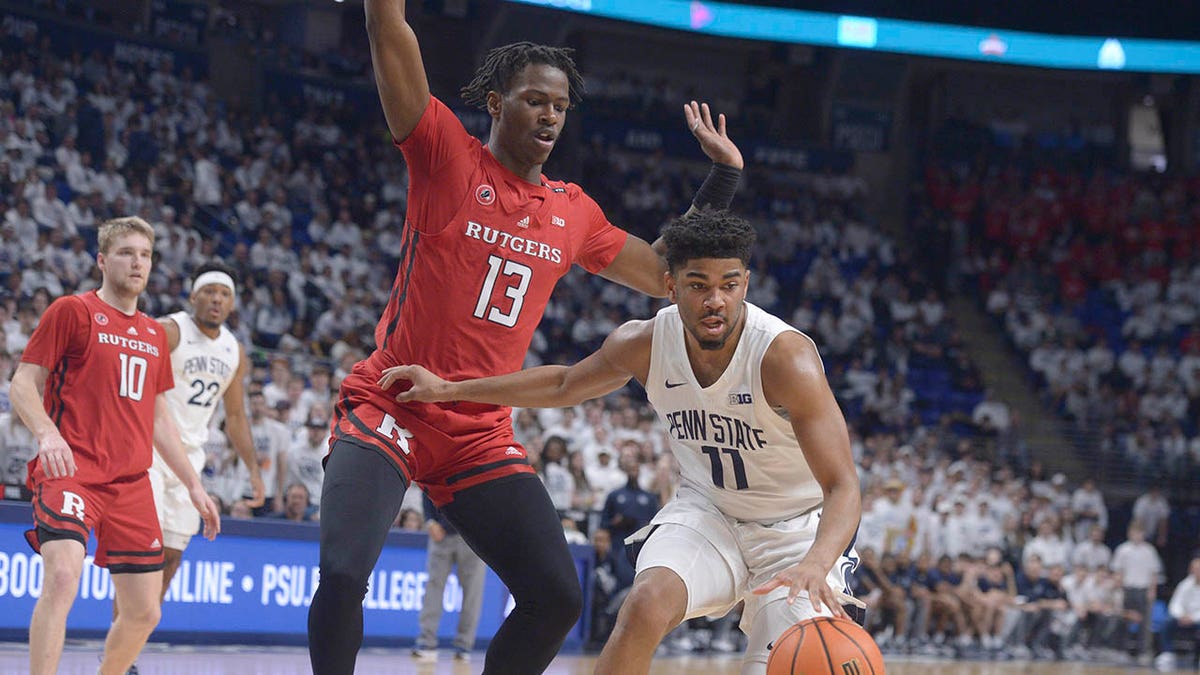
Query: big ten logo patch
x,y
740,399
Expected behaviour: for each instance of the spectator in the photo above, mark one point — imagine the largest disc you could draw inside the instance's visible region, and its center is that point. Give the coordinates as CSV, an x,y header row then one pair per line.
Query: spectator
x,y
271,440
1151,512
1090,510
1183,617
627,509
296,505
446,550
1139,567
305,455
610,584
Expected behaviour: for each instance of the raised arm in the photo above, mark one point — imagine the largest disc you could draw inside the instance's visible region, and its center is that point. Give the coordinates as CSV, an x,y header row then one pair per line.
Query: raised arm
x,y
399,71
624,354
794,379
641,266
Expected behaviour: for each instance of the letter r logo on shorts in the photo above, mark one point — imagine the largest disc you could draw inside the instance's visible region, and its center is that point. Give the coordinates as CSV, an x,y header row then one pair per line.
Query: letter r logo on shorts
x,y
72,505
399,434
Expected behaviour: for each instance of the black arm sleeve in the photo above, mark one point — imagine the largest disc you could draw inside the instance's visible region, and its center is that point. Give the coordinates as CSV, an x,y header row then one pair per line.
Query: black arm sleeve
x,y
718,188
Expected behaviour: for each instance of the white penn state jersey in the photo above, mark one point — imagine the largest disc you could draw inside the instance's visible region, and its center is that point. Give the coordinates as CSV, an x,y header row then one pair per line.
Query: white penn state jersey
x,y
732,447
204,368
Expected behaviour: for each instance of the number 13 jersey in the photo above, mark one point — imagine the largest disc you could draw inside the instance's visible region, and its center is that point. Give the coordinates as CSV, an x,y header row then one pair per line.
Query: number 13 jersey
x,y
480,254
731,445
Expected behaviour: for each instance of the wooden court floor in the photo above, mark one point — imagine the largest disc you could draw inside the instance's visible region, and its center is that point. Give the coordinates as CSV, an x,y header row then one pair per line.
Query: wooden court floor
x,y
81,658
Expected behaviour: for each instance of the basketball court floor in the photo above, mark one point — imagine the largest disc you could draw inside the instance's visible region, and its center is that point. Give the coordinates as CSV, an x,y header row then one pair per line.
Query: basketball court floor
x,y
81,658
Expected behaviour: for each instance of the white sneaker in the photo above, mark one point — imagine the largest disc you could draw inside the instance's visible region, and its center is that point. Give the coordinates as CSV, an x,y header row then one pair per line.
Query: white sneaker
x,y
425,655
462,656
1165,661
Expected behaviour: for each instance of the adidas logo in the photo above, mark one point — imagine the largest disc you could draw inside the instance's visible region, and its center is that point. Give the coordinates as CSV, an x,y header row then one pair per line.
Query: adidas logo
x,y
558,222
132,331
512,451
524,222
155,544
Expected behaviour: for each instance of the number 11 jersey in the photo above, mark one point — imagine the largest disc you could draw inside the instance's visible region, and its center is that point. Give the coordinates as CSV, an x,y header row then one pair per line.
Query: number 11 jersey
x,y
731,445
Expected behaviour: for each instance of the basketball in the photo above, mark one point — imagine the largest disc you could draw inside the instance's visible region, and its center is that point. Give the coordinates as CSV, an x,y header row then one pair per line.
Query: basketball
x,y
825,646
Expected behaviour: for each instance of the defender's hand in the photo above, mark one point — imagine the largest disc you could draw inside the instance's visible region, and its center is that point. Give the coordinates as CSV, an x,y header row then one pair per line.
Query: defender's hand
x,y
426,386
714,141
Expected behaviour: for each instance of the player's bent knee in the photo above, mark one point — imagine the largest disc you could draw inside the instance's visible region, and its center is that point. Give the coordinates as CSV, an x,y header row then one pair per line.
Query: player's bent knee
x,y
651,607
562,606
335,583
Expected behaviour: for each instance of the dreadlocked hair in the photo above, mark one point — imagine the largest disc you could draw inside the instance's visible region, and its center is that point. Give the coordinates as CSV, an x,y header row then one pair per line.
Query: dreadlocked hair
x,y
708,233
503,63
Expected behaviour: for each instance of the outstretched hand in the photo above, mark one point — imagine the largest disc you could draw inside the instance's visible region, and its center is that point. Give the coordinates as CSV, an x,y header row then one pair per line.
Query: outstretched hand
x,y
809,578
714,141
426,387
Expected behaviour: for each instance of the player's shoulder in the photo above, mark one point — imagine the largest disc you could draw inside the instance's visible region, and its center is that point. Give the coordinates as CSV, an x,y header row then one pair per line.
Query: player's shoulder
x,y
569,190
74,304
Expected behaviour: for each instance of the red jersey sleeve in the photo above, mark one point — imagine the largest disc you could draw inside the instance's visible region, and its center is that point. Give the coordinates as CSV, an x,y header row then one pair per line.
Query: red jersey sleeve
x,y
603,240
439,152
166,374
61,332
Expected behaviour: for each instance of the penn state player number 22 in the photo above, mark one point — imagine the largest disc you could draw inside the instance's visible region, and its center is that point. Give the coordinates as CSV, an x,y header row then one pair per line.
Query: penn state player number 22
x,y
199,391
718,466
514,291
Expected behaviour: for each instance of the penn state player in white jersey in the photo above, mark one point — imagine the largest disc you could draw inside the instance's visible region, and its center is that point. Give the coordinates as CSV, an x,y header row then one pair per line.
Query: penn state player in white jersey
x,y
210,367
769,502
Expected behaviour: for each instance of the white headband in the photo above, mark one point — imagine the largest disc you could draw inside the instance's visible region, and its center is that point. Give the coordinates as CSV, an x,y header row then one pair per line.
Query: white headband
x,y
214,277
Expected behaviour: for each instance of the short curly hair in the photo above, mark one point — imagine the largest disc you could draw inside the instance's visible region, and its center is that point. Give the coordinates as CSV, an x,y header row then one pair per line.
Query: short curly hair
x,y
708,233
503,63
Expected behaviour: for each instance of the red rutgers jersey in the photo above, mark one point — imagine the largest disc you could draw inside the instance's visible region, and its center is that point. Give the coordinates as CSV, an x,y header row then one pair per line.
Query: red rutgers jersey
x,y
106,368
482,250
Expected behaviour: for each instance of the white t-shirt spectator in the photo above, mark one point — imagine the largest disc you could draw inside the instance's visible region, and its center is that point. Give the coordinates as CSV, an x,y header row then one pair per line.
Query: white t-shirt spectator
x,y
1137,563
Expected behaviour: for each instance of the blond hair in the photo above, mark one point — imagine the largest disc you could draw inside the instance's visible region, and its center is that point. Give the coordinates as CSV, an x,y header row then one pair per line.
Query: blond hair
x,y
116,227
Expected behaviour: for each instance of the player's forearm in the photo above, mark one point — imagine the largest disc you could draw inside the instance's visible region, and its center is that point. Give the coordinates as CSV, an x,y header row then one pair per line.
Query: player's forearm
x,y
26,398
237,429
840,516
541,387
176,458
380,12
170,448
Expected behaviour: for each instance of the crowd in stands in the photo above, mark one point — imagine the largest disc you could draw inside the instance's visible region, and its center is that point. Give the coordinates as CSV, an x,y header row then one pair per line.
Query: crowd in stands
x,y
965,545
1094,277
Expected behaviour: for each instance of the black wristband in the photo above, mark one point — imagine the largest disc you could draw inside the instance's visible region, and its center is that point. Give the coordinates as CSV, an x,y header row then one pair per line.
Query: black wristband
x,y
718,188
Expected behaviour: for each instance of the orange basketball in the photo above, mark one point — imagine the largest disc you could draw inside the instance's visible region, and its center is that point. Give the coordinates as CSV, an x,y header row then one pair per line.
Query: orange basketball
x,y
825,646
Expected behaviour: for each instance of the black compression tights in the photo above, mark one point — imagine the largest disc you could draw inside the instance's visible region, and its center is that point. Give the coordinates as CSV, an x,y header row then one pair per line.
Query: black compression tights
x,y
360,497
511,524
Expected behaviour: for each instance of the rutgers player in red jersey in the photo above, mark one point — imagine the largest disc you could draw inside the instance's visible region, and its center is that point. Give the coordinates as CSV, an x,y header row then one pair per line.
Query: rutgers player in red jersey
x,y
486,238
91,387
